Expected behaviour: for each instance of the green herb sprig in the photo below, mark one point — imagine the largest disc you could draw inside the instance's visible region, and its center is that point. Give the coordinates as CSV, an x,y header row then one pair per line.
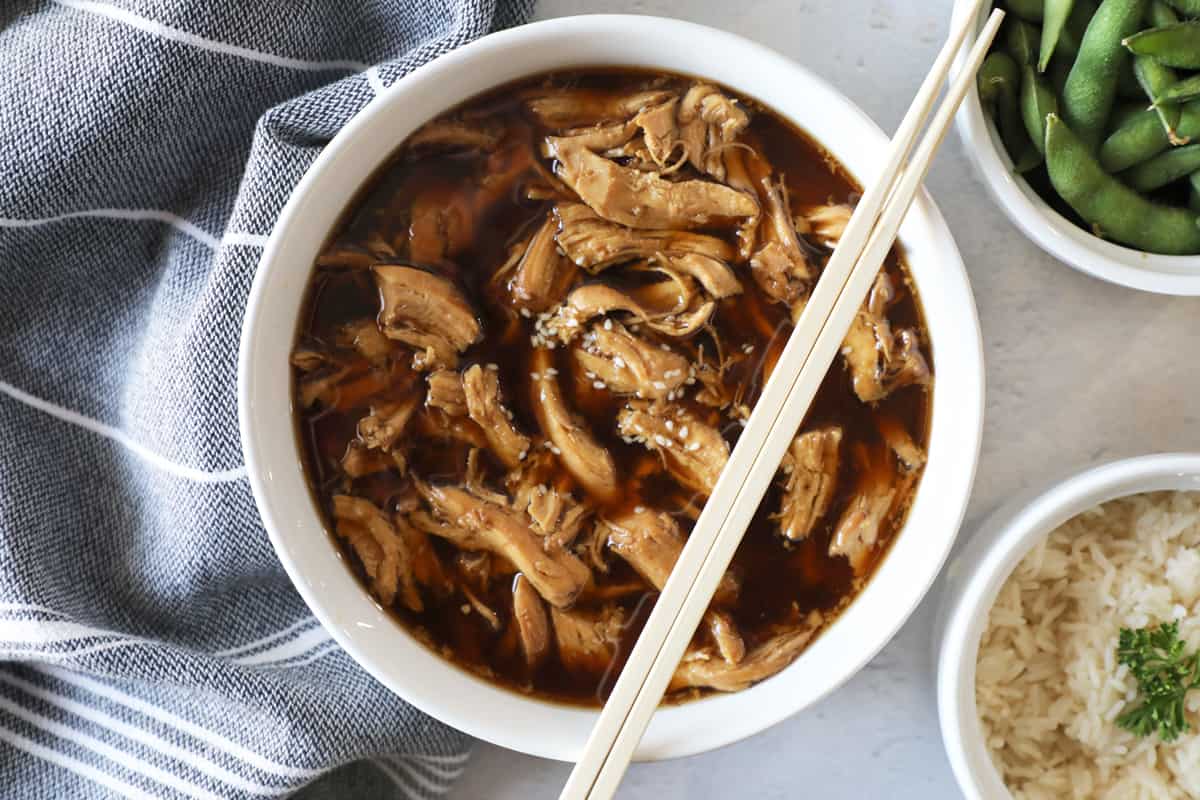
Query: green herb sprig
x,y
1165,674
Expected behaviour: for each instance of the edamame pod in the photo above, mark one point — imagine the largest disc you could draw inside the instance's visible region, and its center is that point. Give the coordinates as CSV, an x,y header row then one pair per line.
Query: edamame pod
x,y
1159,14
999,86
1155,79
1142,137
1175,45
1109,206
1163,169
1029,10
1091,86
1072,32
1178,92
1021,41
1189,7
1054,19
1037,100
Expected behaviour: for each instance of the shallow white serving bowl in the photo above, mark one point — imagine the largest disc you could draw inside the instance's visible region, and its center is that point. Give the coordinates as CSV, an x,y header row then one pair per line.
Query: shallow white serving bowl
x,y
1048,229
272,457
975,577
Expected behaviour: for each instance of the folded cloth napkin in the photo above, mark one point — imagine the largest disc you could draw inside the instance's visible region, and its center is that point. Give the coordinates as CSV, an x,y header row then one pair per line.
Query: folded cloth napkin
x,y
150,642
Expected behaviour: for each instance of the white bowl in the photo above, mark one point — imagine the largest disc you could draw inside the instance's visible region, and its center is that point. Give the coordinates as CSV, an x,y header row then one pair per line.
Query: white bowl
x,y
975,577
272,457
1055,234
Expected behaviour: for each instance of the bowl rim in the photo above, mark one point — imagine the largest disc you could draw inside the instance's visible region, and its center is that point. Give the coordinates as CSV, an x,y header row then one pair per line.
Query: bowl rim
x,y
701,725
1049,230
976,576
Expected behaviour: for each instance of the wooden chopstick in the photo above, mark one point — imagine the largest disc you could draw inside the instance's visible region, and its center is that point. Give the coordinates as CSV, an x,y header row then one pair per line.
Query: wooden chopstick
x,y
780,410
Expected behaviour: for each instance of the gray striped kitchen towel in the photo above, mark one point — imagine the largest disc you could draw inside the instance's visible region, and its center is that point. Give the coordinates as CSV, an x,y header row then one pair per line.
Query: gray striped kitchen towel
x,y
150,642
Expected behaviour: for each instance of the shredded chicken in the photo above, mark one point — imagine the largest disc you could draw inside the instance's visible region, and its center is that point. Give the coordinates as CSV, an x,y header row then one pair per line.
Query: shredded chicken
x,y
587,640
482,389
692,451
452,134
810,471
780,266
589,463
540,275
704,668
360,460
857,531
709,122
717,277
725,635
446,392
882,360
473,523
382,551
909,453
364,336
382,428
595,243
434,423
428,312
533,625
651,542
642,199
441,224
576,108
688,312
825,224
628,364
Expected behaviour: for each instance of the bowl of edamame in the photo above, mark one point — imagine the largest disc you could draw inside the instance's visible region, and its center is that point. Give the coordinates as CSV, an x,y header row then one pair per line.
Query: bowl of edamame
x,y
1085,124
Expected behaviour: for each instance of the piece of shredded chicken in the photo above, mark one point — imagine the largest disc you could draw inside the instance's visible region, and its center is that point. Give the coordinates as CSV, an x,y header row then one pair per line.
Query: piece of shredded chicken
x,y
704,668
693,451
625,363
595,243
873,495
810,471
380,548
536,275
587,461
587,640
576,108
670,307
481,385
709,122
427,312
446,392
825,224
882,360
474,523
780,266
382,428
532,622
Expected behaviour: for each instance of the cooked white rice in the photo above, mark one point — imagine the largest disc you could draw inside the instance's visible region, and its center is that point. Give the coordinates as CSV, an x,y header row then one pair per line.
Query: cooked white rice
x,y
1048,685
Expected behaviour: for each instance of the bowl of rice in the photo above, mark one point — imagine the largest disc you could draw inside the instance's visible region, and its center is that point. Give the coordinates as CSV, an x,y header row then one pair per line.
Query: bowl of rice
x,y
1032,696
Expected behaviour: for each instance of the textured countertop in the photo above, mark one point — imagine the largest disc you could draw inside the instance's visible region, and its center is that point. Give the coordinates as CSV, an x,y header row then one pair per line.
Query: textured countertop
x,y
1078,372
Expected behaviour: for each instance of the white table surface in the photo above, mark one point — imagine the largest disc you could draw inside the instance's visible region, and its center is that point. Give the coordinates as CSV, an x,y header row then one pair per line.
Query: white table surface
x,y
1078,372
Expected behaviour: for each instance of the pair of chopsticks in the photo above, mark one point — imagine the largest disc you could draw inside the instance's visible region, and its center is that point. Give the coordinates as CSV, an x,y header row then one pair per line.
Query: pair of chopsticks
x,y
777,415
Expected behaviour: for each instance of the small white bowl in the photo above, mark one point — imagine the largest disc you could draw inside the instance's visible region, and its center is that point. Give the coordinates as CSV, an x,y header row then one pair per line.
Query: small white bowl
x,y
1058,236
975,577
272,456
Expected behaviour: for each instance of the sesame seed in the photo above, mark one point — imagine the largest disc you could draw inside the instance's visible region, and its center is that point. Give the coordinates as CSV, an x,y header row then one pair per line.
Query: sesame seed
x,y
659,385
638,509
523,453
671,373
493,367
551,372
742,422
608,324
465,608
664,347
591,376
693,447
670,425
555,450
662,441
525,313
537,376
683,432
599,385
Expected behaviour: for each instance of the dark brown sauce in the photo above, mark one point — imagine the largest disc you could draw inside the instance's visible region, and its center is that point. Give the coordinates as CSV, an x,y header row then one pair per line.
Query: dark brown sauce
x,y
781,582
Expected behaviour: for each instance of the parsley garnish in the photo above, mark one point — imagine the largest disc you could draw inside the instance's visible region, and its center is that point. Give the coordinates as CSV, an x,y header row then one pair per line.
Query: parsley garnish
x,y
1164,674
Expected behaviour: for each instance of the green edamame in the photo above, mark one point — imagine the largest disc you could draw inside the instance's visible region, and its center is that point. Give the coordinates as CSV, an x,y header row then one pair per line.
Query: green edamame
x,y
1072,33
1142,137
1028,10
1113,209
1159,14
999,86
1178,92
1176,163
1037,100
1189,7
1021,41
1175,45
1155,79
1091,86
1054,19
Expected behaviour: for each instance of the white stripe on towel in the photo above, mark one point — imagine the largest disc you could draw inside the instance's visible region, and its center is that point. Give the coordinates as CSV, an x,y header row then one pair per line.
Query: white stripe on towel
x,y
137,704
11,737
144,737
133,20
293,648
40,631
416,777
307,622
397,778
177,222
123,439
124,759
